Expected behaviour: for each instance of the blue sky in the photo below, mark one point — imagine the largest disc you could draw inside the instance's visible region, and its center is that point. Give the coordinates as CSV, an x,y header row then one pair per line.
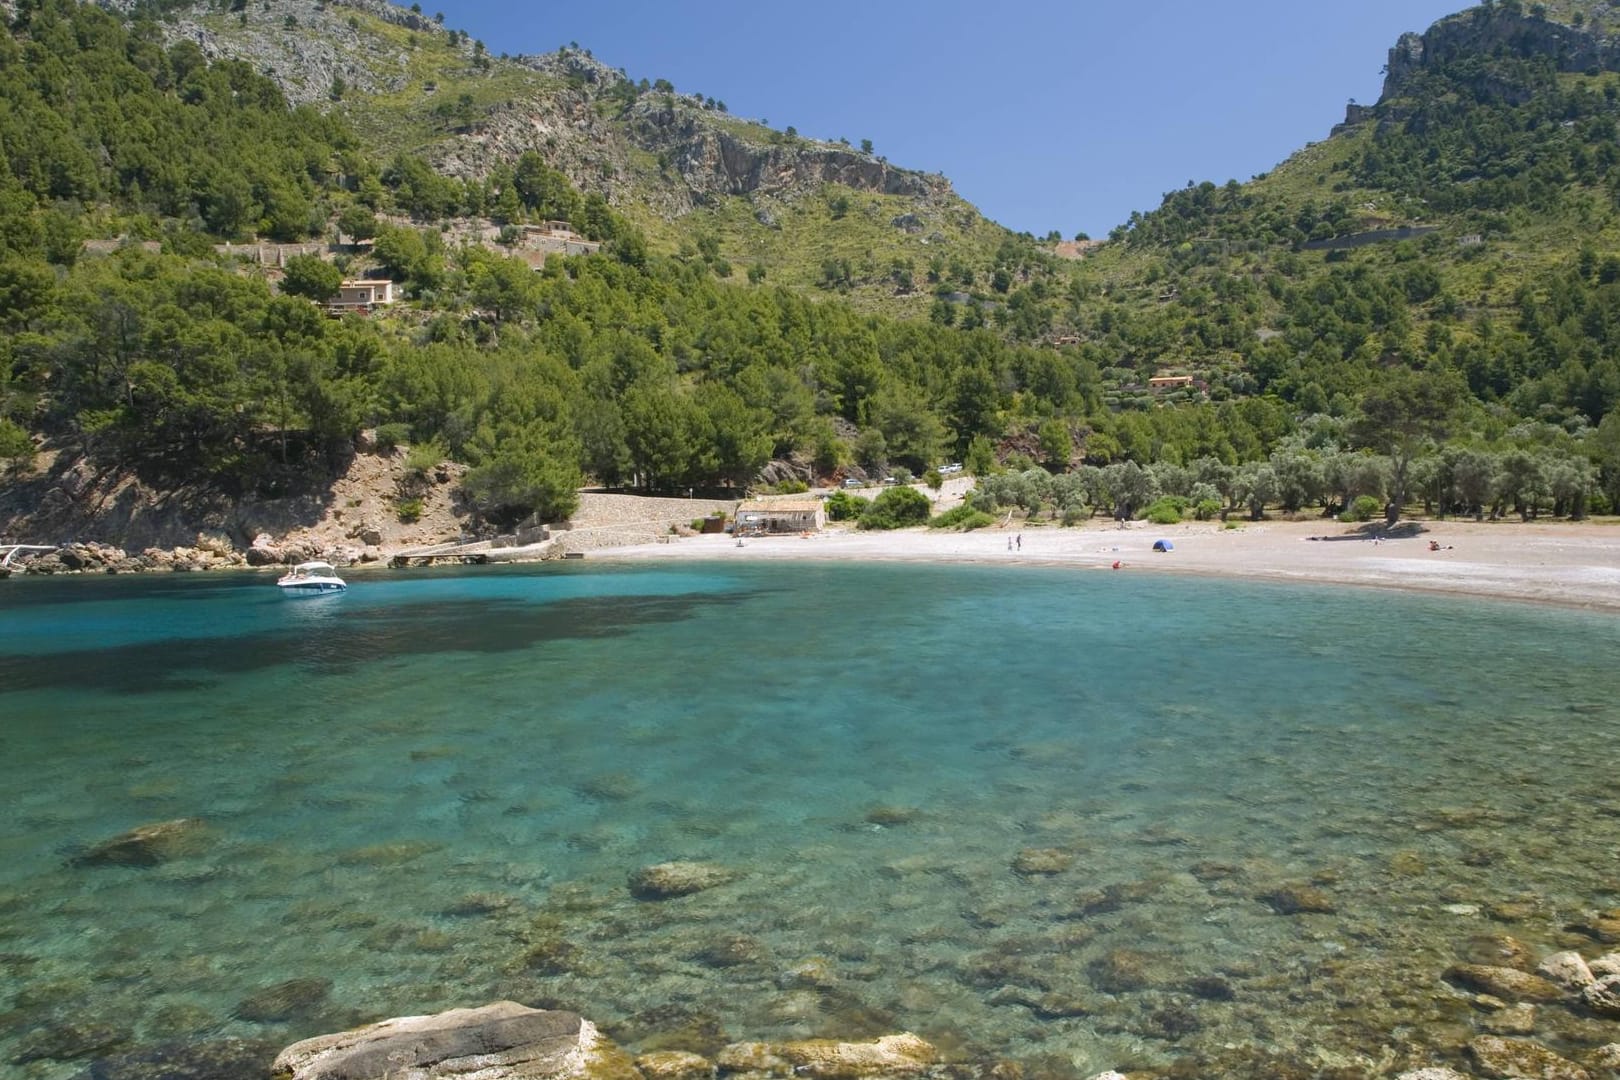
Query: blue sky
x,y
1046,114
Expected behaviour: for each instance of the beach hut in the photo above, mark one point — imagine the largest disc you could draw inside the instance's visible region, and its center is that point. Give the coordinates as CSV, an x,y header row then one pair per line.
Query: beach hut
x,y
761,517
1163,545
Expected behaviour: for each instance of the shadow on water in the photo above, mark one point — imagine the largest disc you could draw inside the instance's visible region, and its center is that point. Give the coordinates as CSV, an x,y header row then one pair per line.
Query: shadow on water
x,y
332,639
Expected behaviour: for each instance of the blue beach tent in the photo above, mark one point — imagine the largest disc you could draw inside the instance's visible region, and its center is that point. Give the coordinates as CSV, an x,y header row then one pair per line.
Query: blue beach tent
x,y
1163,545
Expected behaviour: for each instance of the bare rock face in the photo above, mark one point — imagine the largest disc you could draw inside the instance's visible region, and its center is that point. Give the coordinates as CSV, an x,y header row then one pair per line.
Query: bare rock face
x,y
1506,983
503,1041
666,881
148,845
1498,1057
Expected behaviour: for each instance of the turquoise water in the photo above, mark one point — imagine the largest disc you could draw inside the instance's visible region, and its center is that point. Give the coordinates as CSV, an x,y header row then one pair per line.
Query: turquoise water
x,y
430,792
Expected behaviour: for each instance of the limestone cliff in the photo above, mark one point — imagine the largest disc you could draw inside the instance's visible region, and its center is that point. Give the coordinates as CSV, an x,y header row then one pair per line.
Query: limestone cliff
x,y
1498,30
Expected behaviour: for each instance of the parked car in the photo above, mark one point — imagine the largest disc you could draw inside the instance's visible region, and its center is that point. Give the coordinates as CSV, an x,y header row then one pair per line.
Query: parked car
x,y
953,467
851,482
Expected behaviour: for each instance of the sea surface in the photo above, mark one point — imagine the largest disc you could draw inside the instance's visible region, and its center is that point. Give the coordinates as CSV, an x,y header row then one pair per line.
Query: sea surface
x,y
1075,819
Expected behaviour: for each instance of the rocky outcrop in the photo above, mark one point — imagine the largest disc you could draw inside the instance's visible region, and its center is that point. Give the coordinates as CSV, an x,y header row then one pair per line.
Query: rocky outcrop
x,y
503,1041
1489,31
714,160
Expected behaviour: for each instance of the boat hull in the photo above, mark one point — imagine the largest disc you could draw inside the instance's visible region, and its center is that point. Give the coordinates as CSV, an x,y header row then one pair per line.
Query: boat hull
x,y
312,588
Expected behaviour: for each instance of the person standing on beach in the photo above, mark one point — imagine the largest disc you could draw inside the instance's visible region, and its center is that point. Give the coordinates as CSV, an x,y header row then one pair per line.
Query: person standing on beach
x,y
1009,543
1020,541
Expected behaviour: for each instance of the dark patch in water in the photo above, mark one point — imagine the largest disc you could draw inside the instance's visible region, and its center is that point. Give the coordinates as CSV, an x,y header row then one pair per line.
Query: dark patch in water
x,y
355,636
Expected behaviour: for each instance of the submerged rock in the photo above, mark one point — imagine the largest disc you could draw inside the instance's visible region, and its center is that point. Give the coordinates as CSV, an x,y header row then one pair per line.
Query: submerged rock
x,y
672,1027
1517,1019
396,853
1603,927
148,845
224,1059
1298,899
503,1041
1499,1057
890,816
1120,971
731,950
822,1059
1035,862
1509,984
288,1000
666,881
1499,950
675,1065
68,1041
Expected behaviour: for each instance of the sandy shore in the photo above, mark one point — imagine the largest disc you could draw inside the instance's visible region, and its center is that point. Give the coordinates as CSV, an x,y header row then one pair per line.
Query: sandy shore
x,y
1564,563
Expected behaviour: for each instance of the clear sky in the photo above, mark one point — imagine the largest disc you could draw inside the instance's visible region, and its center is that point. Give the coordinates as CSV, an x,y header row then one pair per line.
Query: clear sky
x,y
1047,114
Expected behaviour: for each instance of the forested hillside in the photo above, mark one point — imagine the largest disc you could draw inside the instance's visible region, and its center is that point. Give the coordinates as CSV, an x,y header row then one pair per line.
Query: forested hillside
x,y
1472,364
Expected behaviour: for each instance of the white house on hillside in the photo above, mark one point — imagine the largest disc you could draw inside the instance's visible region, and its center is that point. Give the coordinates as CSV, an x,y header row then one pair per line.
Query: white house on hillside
x,y
362,295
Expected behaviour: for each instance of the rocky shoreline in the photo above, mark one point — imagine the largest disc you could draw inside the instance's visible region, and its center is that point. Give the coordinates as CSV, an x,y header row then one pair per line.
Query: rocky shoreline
x,y
211,552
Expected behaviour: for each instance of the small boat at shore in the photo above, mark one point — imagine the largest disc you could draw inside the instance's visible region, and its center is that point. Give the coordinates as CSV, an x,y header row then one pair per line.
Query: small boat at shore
x,y
311,579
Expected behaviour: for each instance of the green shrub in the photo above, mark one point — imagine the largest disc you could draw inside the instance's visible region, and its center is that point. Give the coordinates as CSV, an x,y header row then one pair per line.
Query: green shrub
x,y
1167,510
842,506
1076,514
392,436
791,487
15,444
896,508
964,517
409,510
1207,509
1365,508
425,456
933,479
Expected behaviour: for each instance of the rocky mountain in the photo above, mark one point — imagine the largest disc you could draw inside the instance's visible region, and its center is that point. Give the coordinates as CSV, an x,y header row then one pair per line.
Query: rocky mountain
x,y
677,164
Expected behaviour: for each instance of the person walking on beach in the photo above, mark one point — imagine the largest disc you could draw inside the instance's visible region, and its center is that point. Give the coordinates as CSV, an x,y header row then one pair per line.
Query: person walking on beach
x,y
1020,541
1009,543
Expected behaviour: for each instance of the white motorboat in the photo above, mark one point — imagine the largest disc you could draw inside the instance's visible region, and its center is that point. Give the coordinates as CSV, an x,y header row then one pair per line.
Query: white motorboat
x,y
311,579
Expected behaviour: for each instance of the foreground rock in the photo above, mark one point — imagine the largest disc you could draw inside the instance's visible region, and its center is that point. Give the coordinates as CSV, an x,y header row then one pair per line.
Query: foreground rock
x,y
666,881
148,845
503,1041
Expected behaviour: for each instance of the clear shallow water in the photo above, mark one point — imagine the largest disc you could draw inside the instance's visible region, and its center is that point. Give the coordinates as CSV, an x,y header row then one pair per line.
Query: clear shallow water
x,y
430,792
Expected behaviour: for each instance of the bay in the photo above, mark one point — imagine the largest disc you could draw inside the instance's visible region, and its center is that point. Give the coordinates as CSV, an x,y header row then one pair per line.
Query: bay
x,y
1029,813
